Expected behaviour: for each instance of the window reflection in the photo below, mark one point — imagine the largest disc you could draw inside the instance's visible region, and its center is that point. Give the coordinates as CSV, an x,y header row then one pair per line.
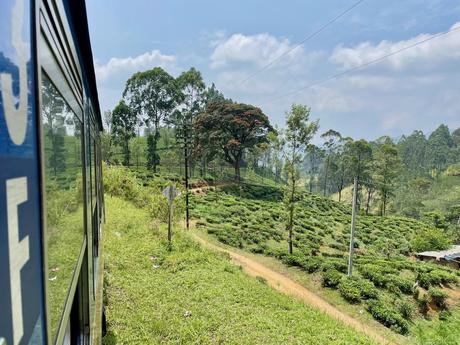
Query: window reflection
x,y
64,195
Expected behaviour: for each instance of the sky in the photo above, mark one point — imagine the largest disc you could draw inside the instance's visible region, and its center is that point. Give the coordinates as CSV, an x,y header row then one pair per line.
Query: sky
x,y
229,41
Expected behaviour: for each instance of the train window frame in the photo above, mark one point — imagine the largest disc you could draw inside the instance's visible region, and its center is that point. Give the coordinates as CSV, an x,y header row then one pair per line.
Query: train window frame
x,y
56,67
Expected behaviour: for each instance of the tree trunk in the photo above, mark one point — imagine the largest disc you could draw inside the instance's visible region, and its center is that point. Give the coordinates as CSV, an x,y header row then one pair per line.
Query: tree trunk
x,y
237,170
325,176
187,214
340,195
368,202
384,205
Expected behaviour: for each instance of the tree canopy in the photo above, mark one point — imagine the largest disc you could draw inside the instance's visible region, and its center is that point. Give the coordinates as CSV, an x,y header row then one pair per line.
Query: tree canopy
x,y
232,128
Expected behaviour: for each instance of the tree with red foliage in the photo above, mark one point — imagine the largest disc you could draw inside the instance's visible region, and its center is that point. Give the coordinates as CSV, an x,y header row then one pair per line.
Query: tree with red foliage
x,y
231,128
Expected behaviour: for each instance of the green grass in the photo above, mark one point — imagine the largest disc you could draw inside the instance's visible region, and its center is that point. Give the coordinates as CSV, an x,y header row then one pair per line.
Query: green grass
x,y
193,296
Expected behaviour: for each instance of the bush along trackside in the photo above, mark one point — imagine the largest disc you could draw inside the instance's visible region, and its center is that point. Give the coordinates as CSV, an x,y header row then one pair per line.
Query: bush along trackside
x,y
252,217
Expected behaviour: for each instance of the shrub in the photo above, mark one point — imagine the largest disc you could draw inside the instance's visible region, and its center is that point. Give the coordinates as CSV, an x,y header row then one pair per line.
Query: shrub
x,y
293,260
340,266
444,315
423,304
404,285
444,277
368,290
331,278
312,264
439,297
374,274
406,309
388,316
436,277
430,239
349,290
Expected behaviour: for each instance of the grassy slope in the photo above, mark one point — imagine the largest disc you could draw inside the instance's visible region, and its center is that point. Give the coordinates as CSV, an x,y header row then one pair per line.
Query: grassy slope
x,y
252,223
146,305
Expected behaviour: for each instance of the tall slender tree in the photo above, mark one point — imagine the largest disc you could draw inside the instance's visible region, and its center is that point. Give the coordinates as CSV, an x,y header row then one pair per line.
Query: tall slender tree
x,y
123,128
331,139
298,133
387,164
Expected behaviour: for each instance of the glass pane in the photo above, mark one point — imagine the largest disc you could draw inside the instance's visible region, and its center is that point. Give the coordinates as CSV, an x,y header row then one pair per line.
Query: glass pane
x,y
63,197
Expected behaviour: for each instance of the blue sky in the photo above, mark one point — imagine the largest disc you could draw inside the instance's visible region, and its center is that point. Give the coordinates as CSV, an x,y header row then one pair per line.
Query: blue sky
x,y
229,40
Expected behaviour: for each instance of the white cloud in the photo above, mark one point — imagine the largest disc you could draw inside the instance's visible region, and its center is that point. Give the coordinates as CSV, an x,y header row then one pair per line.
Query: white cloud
x,y
133,64
111,77
440,49
256,50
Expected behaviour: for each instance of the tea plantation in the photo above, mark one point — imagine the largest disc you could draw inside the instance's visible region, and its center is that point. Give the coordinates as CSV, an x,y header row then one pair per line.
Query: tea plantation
x,y
396,290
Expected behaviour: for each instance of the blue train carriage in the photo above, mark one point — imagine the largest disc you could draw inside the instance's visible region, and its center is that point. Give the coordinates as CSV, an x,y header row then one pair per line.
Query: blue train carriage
x,y
51,193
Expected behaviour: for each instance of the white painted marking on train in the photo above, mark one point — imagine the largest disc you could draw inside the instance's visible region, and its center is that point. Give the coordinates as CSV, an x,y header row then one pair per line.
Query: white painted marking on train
x,y
18,250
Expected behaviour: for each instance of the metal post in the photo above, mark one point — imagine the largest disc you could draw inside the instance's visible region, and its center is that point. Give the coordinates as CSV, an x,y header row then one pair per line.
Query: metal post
x,y
187,214
352,235
169,224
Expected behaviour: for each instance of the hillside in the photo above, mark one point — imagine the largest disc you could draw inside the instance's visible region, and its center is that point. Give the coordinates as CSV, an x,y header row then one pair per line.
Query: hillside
x,y
396,290
190,295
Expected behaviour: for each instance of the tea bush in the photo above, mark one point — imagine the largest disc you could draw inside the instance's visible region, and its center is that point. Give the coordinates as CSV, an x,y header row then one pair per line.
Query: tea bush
x,y
388,316
331,278
349,290
439,297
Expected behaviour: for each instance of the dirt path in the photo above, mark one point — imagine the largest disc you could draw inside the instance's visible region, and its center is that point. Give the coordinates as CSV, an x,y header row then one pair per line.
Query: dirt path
x,y
290,287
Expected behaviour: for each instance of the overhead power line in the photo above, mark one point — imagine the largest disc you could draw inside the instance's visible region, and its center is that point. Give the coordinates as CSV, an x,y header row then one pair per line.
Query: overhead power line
x,y
309,37
363,65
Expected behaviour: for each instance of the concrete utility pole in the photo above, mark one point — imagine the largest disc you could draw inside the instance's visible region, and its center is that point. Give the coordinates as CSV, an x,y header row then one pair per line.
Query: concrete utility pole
x,y
352,234
187,212
170,192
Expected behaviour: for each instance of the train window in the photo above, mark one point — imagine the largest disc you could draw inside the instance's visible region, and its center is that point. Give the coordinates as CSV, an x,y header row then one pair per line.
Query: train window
x,y
62,139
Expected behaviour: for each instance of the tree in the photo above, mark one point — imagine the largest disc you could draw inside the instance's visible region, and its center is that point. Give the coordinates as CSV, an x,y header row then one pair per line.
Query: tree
x,y
359,159
386,168
123,128
107,148
152,95
339,167
313,159
439,148
412,150
276,141
192,91
298,133
331,139
232,128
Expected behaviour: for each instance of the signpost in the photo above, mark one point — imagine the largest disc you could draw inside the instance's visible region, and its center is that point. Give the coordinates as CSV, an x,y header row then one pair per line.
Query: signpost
x,y
171,193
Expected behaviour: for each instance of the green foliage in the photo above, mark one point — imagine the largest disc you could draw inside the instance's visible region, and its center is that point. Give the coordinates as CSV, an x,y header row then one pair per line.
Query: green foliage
x,y
251,217
331,278
423,304
230,129
439,297
436,277
430,239
388,316
349,289
151,96
124,121
406,309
